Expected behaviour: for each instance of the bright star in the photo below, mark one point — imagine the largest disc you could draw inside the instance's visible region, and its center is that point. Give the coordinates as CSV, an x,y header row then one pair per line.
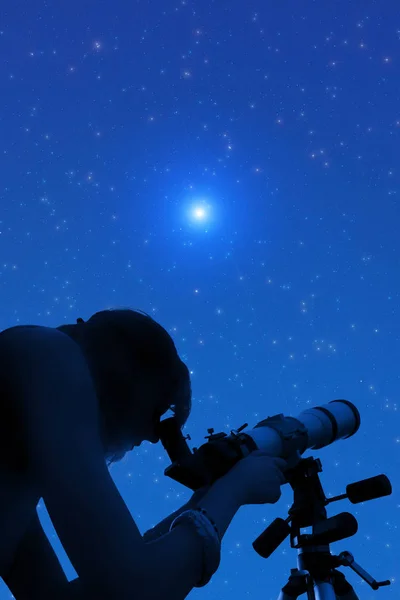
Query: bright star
x,y
199,213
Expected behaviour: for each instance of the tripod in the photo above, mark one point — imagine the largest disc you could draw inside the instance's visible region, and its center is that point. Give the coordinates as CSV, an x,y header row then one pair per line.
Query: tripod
x,y
316,574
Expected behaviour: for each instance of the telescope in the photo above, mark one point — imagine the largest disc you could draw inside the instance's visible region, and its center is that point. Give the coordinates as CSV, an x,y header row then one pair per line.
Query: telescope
x,y
288,438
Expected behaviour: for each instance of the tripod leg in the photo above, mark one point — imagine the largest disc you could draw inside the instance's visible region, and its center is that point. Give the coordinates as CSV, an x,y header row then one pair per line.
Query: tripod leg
x,y
343,590
296,585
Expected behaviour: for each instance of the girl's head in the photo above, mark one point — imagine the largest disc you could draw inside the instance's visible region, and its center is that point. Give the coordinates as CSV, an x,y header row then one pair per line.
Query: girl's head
x,y
137,373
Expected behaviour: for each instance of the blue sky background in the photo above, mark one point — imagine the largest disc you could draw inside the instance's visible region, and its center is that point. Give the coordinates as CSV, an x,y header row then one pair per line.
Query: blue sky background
x,y
231,168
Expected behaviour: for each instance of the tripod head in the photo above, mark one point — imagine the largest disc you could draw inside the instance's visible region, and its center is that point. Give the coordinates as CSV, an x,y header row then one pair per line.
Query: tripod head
x,y
308,510
288,438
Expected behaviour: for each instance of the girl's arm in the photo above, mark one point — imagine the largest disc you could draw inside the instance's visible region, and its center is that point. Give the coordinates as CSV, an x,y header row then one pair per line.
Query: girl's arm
x,y
163,527
36,573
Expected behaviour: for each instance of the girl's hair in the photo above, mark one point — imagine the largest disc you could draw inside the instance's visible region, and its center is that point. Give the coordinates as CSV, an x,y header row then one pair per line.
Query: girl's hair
x,y
127,345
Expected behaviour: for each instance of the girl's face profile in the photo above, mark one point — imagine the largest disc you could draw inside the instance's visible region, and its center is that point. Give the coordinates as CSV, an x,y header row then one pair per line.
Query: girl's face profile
x,y
142,424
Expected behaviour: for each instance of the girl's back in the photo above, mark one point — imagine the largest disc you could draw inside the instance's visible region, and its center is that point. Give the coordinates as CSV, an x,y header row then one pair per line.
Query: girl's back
x,y
53,449
19,493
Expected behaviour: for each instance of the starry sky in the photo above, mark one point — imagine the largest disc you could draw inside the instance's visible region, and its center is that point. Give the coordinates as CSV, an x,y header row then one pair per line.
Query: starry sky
x,y
233,170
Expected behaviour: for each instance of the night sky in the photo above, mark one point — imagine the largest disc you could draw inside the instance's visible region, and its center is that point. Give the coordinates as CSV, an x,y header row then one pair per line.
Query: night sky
x,y
232,169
